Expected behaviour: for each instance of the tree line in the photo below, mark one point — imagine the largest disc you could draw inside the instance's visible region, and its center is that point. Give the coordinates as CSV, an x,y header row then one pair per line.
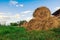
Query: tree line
x,y
19,23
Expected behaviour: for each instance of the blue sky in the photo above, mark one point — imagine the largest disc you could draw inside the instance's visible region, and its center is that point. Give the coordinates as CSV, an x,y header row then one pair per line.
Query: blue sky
x,y
16,10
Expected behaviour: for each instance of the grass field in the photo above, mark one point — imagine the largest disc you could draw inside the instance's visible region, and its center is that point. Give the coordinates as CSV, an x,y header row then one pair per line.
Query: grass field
x,y
20,33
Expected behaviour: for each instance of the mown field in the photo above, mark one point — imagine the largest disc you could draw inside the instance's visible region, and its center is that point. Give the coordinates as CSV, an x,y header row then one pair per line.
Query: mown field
x,y
20,33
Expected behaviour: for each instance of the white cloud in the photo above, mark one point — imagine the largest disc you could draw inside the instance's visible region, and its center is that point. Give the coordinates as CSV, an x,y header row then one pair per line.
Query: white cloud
x,y
29,18
21,5
23,15
1,13
15,3
17,16
57,8
25,12
9,18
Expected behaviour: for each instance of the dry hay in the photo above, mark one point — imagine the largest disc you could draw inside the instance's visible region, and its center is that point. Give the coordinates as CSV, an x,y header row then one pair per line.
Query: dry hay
x,y
35,24
42,20
59,22
25,24
52,22
42,13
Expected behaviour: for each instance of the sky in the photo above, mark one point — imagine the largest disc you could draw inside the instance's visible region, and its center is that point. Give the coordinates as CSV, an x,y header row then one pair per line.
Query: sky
x,y
16,10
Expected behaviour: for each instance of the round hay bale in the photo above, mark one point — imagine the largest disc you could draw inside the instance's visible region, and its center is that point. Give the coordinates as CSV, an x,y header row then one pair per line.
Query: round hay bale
x,y
42,13
52,22
35,24
59,22
25,24
30,24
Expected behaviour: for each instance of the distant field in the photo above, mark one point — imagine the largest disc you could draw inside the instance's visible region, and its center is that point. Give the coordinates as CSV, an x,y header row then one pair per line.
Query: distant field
x,y
20,33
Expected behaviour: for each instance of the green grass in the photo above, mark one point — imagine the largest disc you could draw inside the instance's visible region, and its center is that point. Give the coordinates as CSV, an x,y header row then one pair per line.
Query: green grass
x,y
20,33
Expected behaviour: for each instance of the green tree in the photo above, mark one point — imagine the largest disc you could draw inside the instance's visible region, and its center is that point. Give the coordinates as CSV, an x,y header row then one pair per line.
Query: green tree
x,y
13,24
21,22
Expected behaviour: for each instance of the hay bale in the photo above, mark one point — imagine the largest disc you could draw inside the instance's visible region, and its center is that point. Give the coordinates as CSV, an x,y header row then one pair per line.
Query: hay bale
x,y
52,22
59,22
35,24
42,20
25,24
30,24
42,13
